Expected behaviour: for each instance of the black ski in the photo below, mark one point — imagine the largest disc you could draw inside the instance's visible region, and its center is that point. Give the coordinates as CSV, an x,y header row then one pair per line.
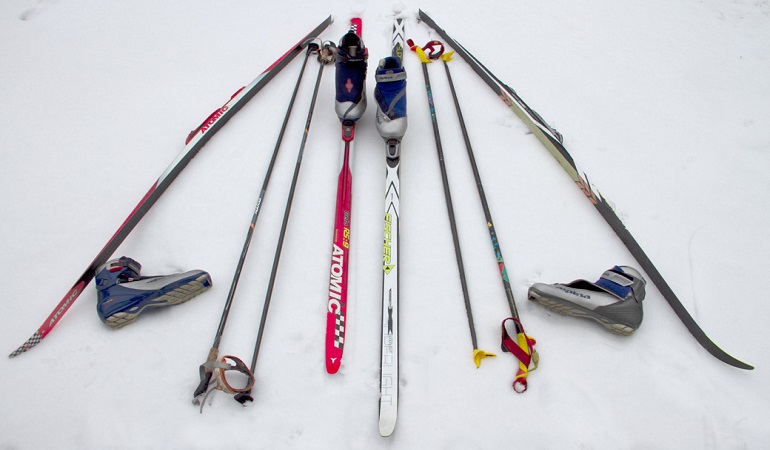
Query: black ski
x,y
552,140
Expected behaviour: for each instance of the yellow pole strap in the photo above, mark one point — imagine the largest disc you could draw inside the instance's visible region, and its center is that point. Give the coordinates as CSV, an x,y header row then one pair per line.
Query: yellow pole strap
x,y
420,52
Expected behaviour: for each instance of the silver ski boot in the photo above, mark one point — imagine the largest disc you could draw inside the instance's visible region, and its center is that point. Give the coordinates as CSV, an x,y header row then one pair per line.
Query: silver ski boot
x,y
615,300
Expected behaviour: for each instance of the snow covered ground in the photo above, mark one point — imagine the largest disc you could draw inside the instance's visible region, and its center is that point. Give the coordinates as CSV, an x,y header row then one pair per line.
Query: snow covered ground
x,y
663,104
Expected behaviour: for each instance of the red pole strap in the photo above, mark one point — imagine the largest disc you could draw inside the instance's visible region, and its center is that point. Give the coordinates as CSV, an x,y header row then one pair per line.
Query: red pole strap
x,y
523,349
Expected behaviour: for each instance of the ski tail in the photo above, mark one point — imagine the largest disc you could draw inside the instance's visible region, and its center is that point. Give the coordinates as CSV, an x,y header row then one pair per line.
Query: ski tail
x,y
195,141
552,140
338,277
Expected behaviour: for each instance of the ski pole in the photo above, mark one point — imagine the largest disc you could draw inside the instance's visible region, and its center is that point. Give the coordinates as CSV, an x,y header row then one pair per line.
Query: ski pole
x,y
525,343
553,142
325,56
435,49
207,369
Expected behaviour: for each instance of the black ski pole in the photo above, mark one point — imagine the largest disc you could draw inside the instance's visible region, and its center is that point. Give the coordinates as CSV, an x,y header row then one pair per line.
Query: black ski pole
x,y
435,50
207,368
326,56
553,142
524,342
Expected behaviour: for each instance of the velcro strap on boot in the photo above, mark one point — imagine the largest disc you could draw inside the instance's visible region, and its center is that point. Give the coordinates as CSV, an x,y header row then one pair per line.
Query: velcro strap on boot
x,y
616,282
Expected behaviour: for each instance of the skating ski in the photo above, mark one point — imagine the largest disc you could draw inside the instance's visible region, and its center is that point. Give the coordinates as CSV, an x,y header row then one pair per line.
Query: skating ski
x,y
338,273
195,141
390,267
552,140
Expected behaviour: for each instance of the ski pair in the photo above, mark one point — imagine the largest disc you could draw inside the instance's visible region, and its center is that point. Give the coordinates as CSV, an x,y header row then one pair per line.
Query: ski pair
x,y
214,366
523,347
552,141
195,141
390,94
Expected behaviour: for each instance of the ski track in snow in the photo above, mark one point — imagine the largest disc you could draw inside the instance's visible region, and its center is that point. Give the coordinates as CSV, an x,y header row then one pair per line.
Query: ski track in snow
x,y
41,7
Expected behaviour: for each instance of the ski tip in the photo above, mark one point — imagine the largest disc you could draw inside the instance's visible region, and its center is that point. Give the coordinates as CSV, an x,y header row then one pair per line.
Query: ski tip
x,y
31,342
717,352
357,25
398,8
726,358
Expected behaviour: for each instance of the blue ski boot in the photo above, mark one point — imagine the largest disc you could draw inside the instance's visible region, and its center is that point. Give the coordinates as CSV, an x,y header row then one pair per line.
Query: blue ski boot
x,y
614,301
390,95
351,77
122,294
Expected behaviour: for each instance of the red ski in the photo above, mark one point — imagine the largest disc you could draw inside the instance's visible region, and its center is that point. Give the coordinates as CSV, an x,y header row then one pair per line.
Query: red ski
x,y
349,109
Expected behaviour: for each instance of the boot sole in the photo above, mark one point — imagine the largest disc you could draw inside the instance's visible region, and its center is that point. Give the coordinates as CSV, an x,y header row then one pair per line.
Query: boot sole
x,y
570,309
175,297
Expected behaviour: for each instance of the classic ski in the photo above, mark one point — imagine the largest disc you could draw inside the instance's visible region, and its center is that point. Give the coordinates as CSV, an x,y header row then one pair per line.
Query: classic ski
x,y
552,140
350,104
195,141
391,111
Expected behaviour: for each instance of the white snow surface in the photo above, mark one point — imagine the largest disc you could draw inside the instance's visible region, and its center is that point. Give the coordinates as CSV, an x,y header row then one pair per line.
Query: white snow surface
x,y
663,104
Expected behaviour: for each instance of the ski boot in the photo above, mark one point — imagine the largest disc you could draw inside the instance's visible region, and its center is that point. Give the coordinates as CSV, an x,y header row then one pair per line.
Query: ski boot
x,y
390,95
615,300
351,77
122,294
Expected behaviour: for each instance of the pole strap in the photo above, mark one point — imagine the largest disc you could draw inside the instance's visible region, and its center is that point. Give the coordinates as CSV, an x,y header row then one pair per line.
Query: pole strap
x,y
523,348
